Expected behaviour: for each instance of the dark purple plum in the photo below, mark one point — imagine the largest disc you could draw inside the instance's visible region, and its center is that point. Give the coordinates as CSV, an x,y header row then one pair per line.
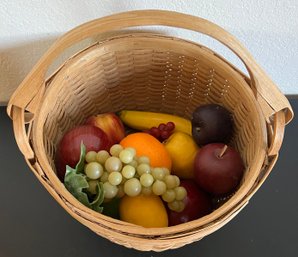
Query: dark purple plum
x,y
212,123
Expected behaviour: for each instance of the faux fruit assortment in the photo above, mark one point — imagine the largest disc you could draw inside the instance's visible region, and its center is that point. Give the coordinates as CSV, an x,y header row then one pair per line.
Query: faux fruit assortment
x,y
151,169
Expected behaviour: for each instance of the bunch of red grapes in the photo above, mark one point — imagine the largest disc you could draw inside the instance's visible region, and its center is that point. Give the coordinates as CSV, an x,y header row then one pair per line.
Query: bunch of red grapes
x,y
163,131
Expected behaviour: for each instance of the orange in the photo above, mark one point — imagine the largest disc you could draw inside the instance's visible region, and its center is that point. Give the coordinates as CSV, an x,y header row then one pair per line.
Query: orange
x,y
144,210
147,145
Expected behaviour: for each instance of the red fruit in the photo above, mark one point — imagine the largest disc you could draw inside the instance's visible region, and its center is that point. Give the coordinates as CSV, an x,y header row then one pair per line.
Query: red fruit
x,y
69,148
162,126
111,124
164,134
197,204
218,168
163,131
154,131
170,126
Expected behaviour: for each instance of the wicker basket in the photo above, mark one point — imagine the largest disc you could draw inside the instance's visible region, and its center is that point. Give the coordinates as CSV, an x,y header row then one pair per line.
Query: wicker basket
x,y
148,72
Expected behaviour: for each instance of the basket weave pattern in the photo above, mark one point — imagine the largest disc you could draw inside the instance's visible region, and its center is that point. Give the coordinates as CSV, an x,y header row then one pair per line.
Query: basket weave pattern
x,y
150,78
158,76
156,73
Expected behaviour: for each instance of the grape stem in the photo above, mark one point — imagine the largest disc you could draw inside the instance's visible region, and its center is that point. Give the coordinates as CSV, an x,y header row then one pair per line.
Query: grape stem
x,y
223,150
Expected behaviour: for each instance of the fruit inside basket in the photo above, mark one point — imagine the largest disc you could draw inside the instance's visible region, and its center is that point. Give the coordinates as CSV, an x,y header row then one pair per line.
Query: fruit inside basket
x,y
147,76
151,73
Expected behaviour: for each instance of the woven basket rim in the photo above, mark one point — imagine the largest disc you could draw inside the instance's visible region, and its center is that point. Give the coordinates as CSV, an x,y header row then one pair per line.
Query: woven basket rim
x,y
37,132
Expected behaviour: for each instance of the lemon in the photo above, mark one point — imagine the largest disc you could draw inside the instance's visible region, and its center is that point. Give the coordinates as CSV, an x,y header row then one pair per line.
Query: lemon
x,y
182,149
144,210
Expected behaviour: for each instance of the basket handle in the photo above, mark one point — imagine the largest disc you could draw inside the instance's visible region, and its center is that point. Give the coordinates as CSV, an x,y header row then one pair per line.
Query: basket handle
x,y
278,133
21,136
29,89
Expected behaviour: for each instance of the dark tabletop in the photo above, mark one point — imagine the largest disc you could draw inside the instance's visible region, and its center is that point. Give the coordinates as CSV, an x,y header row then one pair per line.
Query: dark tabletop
x,y
33,224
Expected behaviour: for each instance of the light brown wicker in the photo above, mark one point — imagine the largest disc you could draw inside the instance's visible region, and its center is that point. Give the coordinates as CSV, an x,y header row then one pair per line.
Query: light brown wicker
x,y
148,72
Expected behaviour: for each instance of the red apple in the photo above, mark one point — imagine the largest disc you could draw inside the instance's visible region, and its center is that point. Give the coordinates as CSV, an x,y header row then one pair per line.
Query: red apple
x,y
218,168
111,124
69,148
197,204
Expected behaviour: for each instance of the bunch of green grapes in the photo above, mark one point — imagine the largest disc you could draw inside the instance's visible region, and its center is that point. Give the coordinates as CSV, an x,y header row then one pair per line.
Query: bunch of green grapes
x,y
122,172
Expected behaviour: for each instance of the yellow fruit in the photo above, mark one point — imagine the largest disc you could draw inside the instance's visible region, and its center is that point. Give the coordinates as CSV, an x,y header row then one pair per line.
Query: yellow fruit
x,y
144,210
182,149
145,120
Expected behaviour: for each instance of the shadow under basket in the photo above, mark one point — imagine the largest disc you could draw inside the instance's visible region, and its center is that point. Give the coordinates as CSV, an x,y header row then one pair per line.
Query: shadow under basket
x,y
152,73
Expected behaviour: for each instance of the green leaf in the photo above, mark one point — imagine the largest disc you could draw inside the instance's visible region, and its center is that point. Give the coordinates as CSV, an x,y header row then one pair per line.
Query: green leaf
x,y
98,199
80,165
76,183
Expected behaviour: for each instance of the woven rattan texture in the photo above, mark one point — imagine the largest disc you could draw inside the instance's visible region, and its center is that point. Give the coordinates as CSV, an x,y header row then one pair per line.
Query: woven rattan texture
x,y
155,73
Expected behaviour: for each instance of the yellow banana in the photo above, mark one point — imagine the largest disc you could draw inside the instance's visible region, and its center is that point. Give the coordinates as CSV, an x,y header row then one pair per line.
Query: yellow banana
x,y
142,120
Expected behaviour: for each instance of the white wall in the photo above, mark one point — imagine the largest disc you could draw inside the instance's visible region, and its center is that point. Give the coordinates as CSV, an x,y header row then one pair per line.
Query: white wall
x,y
268,28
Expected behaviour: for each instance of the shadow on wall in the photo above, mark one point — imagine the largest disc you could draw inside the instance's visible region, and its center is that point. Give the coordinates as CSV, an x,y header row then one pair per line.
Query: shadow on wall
x,y
17,61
